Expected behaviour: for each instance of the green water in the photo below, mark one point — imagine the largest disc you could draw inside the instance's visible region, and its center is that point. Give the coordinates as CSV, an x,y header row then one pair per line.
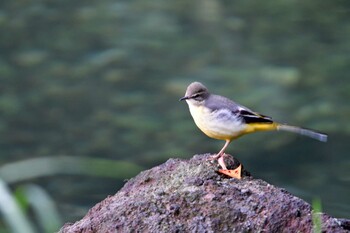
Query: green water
x,y
102,79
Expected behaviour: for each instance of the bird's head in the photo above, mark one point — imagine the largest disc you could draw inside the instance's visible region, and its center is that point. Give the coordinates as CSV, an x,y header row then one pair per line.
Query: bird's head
x,y
196,93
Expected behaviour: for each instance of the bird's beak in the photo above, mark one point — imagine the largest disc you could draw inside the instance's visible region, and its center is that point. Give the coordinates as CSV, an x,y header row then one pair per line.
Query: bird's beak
x,y
184,98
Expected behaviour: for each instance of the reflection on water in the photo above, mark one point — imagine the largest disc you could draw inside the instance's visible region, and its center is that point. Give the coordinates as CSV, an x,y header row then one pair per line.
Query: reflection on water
x,y
102,79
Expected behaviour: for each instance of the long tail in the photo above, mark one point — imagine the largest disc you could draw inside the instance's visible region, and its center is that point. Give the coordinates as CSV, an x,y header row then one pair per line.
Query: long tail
x,y
307,132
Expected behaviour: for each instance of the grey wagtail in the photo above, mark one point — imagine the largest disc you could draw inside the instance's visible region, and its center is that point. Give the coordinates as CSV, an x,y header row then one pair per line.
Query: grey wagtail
x,y
221,118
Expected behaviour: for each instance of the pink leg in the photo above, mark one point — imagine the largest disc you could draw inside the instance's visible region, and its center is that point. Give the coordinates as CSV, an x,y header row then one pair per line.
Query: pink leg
x,y
219,156
221,152
222,163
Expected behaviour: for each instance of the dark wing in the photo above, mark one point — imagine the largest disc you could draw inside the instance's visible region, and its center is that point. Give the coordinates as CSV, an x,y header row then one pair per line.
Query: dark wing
x,y
252,117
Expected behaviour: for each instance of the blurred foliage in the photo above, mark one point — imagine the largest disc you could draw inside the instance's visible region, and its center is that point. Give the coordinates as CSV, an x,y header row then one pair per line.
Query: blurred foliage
x,y
316,215
102,79
13,216
30,206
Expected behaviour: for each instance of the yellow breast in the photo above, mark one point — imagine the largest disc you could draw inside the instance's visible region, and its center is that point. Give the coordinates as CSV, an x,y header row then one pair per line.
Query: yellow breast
x,y
219,124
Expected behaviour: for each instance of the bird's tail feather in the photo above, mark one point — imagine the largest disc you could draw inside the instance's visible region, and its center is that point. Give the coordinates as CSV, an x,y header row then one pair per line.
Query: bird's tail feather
x,y
302,131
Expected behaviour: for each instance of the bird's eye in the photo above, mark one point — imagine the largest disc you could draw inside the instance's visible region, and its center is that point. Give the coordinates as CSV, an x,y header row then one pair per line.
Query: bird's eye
x,y
194,96
197,96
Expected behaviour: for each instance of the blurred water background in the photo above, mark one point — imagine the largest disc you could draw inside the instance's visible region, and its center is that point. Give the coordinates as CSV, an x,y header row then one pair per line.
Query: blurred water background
x,y
89,93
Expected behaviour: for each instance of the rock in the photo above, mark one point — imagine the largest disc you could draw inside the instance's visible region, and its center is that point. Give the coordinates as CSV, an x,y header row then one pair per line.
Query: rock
x,y
190,196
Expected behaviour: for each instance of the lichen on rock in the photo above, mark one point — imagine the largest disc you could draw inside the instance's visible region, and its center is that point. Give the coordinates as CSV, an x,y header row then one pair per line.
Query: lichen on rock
x,y
191,196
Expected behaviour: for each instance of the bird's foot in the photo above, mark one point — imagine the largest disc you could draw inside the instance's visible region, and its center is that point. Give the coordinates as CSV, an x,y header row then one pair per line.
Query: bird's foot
x,y
220,158
221,162
214,157
232,162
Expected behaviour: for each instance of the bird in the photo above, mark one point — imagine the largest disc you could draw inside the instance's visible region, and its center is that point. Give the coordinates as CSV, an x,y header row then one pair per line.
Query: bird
x,y
221,118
